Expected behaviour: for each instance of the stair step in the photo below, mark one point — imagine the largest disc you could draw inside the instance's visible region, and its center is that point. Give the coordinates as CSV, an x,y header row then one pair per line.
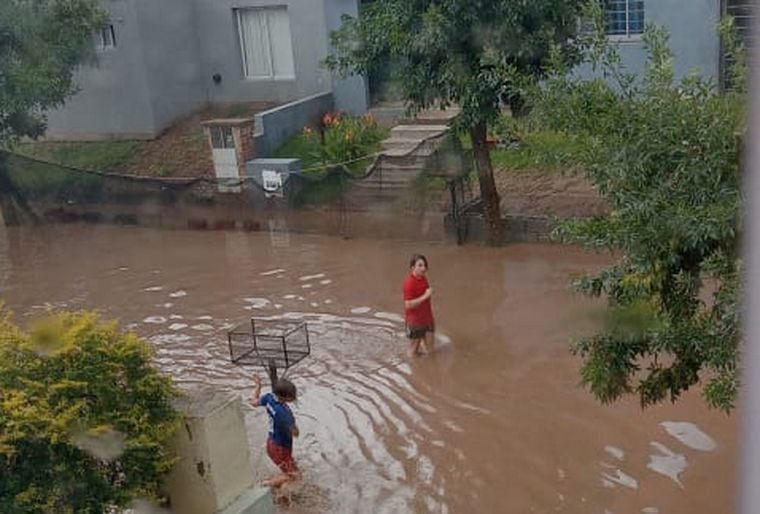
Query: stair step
x,y
401,142
388,165
434,117
398,176
417,132
383,186
422,151
392,179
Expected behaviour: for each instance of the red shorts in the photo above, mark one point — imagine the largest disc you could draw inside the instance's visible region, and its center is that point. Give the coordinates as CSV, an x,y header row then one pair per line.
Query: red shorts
x,y
282,457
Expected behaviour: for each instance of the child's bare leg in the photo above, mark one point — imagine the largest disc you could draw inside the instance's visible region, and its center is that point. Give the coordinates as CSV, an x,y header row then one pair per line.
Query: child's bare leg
x,y
429,342
280,480
414,348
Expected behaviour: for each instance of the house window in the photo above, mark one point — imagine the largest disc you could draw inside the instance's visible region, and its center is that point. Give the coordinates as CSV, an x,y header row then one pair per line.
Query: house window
x,y
623,18
266,44
107,37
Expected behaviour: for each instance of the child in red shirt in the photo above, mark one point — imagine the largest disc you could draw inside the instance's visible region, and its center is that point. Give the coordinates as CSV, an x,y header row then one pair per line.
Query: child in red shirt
x,y
418,310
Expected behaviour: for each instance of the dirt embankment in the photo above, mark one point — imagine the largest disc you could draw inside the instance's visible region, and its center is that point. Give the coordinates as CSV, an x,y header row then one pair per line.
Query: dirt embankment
x,y
182,150
548,194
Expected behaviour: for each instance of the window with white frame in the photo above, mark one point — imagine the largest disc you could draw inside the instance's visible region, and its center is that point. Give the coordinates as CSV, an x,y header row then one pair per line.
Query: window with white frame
x,y
265,42
107,37
623,18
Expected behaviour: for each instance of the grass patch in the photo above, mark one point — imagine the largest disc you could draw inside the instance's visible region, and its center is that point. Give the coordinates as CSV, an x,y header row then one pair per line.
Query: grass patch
x,y
299,147
40,180
307,150
541,151
538,152
95,155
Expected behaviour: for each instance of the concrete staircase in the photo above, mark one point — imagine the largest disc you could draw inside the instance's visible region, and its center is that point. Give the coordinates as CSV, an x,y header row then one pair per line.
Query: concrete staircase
x,y
405,155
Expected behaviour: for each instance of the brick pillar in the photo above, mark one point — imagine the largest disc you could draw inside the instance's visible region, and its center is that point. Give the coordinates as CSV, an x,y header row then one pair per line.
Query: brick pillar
x,y
244,144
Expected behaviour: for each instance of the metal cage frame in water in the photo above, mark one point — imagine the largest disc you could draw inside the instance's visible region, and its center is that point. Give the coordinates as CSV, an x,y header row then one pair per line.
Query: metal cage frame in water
x,y
275,354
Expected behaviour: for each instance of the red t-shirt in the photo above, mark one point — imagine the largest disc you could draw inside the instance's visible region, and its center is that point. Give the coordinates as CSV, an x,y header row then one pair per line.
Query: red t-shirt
x,y
422,315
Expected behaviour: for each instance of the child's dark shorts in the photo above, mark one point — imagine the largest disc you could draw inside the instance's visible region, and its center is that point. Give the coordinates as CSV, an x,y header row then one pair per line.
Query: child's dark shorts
x,y
418,332
282,457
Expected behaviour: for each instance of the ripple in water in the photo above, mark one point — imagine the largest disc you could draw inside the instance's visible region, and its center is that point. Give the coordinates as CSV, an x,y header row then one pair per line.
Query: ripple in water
x,y
257,303
272,272
667,463
690,435
390,316
617,476
615,452
311,277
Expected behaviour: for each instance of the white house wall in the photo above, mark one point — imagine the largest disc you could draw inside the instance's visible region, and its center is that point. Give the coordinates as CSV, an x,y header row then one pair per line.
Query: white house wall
x,y
692,25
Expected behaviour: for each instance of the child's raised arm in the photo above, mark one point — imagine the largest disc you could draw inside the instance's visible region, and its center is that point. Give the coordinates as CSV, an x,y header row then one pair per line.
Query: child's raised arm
x,y
255,399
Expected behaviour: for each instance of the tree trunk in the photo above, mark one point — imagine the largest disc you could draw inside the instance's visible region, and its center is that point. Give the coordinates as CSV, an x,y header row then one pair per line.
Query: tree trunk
x,y
488,193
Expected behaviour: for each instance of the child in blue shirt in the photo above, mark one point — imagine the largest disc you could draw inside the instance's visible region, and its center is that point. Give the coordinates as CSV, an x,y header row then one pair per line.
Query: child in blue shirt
x,y
282,428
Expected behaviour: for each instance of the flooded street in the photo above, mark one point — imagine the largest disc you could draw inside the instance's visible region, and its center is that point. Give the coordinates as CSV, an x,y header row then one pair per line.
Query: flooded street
x,y
494,421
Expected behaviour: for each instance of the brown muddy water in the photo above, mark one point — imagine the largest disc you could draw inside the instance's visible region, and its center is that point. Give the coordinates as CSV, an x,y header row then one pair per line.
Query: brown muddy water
x,y
494,421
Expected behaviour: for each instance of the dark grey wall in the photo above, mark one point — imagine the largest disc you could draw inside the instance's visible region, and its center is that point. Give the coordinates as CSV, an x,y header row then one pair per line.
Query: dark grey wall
x,y
275,126
352,93
115,96
170,53
220,52
167,52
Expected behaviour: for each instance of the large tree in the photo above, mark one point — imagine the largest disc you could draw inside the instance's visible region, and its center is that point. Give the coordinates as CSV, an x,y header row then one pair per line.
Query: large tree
x,y
41,44
470,53
667,155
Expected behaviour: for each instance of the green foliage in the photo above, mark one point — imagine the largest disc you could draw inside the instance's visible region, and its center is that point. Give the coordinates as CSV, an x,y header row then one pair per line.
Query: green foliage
x,y
339,139
84,417
345,138
41,43
667,157
456,51
301,147
471,53
541,151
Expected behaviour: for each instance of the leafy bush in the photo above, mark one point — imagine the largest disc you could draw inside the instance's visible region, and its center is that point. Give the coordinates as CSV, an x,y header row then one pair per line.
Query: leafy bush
x,y
341,138
667,157
84,417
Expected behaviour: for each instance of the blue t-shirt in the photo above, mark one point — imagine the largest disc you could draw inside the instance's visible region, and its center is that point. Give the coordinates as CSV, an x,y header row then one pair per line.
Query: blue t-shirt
x,y
281,420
